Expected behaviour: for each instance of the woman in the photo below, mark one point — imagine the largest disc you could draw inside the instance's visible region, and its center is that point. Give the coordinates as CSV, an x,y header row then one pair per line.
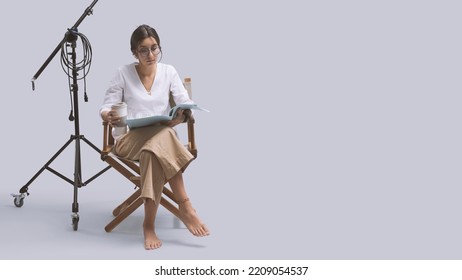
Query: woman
x,y
144,86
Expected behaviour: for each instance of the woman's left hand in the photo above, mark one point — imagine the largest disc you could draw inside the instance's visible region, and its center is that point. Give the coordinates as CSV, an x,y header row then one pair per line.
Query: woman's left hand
x,y
180,117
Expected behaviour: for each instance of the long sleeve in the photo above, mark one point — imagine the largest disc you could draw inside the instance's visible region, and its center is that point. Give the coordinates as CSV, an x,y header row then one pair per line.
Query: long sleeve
x,y
114,93
179,92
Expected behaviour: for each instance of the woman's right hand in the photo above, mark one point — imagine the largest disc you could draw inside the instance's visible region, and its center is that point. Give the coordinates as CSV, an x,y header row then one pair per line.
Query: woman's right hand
x,y
111,117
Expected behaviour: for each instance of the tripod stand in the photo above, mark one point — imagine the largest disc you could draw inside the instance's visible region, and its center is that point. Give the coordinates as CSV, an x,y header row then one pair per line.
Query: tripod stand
x,y
70,40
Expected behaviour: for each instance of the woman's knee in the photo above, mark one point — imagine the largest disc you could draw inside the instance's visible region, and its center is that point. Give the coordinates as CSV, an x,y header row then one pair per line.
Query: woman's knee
x,y
168,131
146,155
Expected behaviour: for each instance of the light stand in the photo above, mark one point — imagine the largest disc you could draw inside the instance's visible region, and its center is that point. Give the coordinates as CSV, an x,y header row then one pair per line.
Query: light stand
x,y
69,40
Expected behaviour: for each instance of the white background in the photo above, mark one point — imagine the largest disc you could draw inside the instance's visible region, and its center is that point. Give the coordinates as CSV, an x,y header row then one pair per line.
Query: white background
x,y
333,131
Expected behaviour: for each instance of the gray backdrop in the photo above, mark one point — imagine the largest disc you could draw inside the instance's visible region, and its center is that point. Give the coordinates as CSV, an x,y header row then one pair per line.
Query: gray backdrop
x,y
333,132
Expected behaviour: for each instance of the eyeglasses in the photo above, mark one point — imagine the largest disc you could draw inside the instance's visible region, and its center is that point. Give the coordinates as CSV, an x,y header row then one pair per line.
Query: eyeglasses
x,y
144,52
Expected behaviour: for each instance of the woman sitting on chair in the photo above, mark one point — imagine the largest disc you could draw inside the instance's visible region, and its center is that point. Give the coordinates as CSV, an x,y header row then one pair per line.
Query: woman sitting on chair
x,y
145,86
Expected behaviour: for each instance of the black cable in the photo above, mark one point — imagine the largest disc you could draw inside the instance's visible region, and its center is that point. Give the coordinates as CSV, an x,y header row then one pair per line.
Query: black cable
x,y
83,66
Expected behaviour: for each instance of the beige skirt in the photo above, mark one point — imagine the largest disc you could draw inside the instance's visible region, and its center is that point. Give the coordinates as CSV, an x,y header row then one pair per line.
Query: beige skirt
x,y
160,153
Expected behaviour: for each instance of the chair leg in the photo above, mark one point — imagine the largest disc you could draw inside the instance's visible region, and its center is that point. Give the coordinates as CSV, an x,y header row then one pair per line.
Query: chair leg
x,y
126,203
132,203
169,206
124,214
169,194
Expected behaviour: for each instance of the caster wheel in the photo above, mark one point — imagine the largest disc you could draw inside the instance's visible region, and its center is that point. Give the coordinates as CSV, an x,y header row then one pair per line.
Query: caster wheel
x,y
75,223
18,202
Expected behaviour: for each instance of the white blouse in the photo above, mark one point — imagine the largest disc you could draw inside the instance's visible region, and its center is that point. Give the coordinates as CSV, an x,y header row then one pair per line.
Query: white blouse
x,y
126,86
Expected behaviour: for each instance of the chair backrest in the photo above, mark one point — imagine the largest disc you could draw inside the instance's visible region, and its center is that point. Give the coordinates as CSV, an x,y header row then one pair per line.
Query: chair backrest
x,y
108,140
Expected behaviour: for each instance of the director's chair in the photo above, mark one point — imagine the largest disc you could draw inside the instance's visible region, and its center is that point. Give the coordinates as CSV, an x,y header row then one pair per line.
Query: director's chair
x,y
131,170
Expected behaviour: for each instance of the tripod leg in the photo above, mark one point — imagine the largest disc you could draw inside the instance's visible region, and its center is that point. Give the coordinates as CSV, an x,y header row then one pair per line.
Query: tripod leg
x,y
19,198
91,144
99,152
25,188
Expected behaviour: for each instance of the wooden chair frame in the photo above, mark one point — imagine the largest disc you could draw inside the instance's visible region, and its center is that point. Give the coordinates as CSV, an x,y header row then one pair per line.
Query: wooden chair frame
x,y
131,170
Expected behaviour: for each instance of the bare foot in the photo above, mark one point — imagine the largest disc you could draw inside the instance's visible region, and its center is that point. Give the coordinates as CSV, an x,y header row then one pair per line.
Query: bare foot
x,y
151,241
189,217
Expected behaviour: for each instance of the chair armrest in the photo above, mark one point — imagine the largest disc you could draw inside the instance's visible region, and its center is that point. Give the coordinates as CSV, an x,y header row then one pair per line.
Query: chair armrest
x,y
108,140
191,137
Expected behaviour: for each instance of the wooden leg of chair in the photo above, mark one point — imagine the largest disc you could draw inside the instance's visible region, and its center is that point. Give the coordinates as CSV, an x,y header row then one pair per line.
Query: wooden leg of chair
x,y
124,214
134,196
169,194
174,210
132,207
126,203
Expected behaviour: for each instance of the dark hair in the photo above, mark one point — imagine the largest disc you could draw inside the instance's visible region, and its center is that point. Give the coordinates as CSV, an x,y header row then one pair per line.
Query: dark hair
x,y
142,32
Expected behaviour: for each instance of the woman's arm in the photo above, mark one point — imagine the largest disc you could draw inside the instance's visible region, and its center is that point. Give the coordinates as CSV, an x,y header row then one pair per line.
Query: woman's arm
x,y
113,95
179,92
